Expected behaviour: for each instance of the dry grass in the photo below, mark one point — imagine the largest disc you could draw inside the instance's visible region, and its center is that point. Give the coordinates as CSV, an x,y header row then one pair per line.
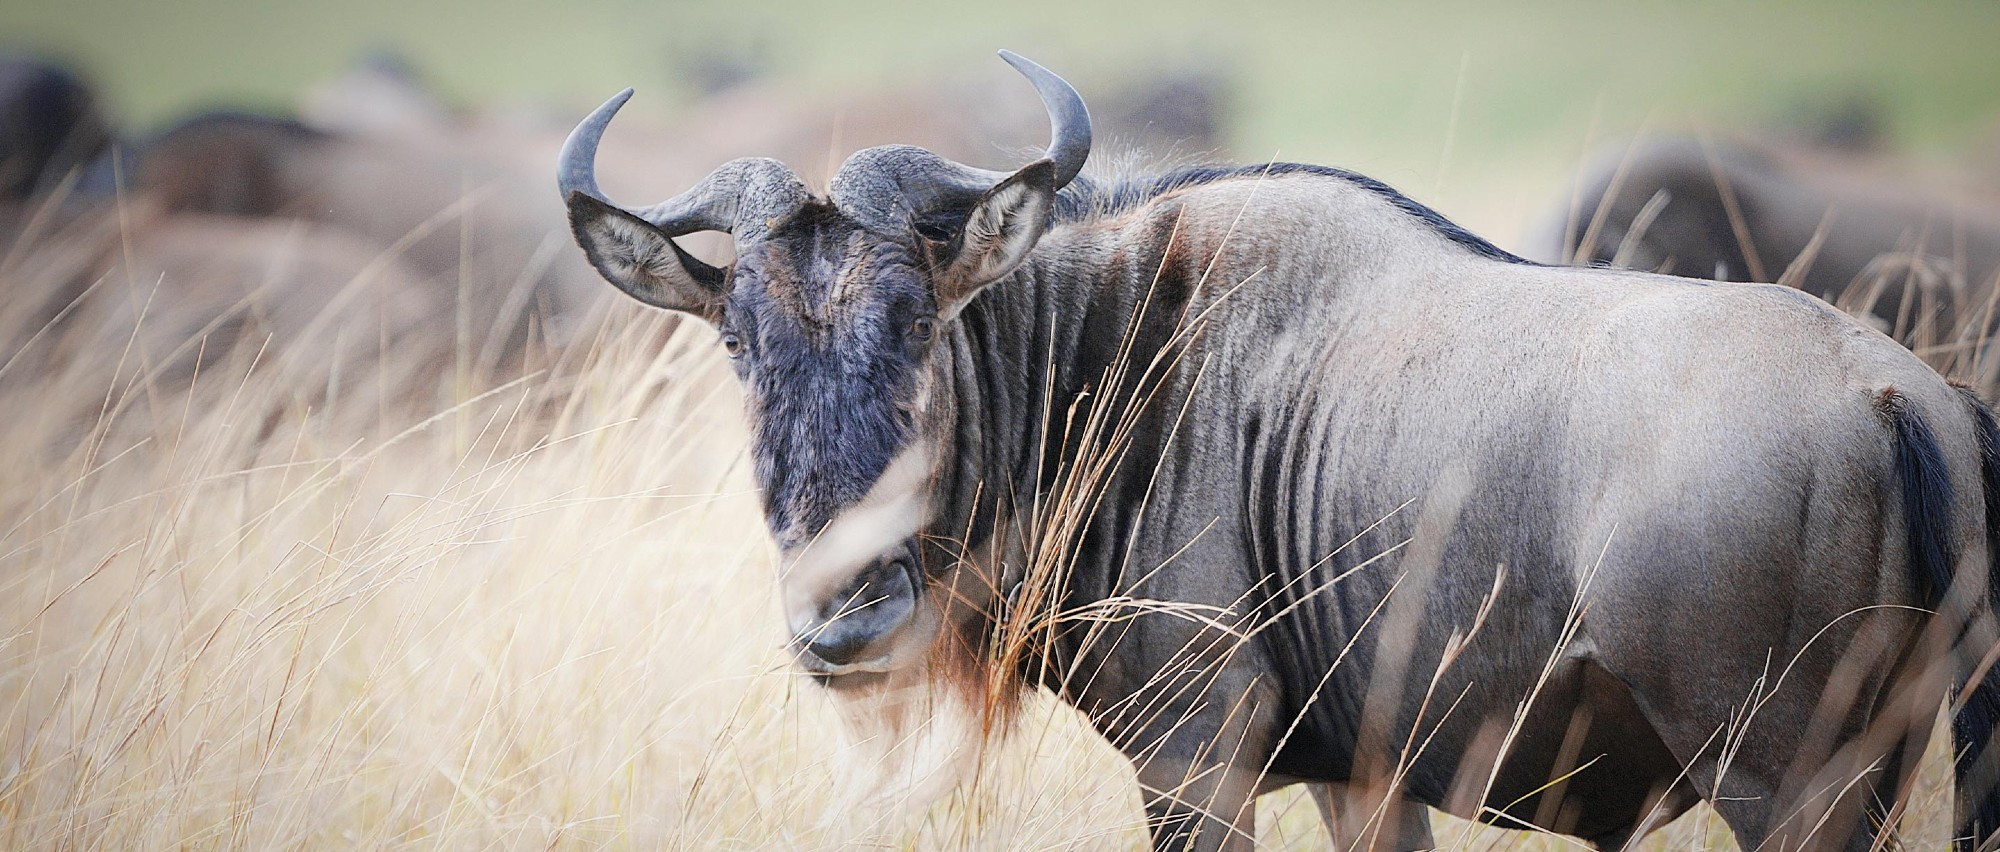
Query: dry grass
x,y
233,614
240,610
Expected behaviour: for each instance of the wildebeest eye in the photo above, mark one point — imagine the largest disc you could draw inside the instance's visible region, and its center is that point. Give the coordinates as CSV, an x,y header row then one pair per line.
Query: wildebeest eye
x,y
732,344
923,328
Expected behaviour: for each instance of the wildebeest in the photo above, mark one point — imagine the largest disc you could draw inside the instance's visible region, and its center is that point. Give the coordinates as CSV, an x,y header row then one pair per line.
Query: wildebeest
x,y
1344,486
462,197
194,268
1379,479
178,293
49,125
1921,261
482,244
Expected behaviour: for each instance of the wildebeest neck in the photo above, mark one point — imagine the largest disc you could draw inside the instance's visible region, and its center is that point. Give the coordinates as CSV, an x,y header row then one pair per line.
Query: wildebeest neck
x,y
1028,363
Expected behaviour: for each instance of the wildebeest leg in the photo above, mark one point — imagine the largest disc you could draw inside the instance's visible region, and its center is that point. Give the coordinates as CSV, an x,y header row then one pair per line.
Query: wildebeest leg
x,y
1900,726
1596,766
1776,775
1667,807
1750,773
1841,798
1197,807
1409,829
1198,760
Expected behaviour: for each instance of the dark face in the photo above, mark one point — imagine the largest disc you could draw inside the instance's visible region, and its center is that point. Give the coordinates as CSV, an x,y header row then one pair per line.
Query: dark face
x,y
830,328
833,329
830,315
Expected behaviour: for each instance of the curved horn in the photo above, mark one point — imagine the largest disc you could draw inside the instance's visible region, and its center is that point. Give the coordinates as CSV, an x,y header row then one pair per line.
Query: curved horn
x,y
576,166
740,197
893,184
1069,119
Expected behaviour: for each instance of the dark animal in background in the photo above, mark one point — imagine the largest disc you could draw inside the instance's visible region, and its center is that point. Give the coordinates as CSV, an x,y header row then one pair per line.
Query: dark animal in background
x,y
1185,107
50,130
50,126
1920,264
461,198
207,256
230,164
1231,389
463,223
471,236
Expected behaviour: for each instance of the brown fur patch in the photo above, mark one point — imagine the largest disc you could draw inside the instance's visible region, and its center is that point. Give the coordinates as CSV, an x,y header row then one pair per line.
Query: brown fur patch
x,y
856,268
1889,402
782,282
1181,265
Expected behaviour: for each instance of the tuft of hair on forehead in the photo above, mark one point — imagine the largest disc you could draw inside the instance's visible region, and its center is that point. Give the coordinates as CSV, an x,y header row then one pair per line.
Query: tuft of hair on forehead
x,y
820,260
852,273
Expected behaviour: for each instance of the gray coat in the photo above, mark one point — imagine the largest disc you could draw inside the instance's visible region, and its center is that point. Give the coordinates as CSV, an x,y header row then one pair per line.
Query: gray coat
x,y
1280,477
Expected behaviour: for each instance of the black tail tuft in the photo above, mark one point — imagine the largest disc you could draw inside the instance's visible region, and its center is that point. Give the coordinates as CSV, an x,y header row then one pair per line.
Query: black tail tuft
x,y
1973,727
1927,501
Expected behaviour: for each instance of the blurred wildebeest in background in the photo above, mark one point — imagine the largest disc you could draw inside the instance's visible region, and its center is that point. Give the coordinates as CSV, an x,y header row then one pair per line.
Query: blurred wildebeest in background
x,y
50,125
1917,258
460,197
1172,444
461,223
175,289
409,224
187,292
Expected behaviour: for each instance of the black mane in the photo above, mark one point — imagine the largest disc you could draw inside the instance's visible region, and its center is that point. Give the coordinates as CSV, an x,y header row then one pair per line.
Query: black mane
x,y
1087,199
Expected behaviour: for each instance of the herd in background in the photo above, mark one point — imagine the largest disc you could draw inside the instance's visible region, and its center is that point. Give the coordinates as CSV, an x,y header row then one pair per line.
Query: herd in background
x,y
1914,251
376,218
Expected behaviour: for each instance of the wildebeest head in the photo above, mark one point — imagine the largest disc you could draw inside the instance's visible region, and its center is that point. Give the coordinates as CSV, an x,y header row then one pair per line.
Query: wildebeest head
x,y
833,314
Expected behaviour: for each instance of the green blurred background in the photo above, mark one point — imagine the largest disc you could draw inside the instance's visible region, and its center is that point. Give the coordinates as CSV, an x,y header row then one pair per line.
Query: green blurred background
x,y
1479,107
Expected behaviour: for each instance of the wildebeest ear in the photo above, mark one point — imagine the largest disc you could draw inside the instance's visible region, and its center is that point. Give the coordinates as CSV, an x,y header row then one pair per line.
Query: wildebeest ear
x,y
643,261
1002,229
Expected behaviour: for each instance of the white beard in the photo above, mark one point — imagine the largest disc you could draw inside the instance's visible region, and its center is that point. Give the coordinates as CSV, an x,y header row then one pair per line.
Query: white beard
x,y
907,742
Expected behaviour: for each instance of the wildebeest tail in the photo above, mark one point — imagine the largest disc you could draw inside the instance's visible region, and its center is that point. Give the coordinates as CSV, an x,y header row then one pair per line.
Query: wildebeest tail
x,y
1978,773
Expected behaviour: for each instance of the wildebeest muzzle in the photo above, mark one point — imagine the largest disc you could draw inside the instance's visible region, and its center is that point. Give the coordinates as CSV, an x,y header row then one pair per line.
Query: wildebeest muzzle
x,y
850,629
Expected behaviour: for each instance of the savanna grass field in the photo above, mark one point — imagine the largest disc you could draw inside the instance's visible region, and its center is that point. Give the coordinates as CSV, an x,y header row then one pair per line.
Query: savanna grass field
x,y
271,583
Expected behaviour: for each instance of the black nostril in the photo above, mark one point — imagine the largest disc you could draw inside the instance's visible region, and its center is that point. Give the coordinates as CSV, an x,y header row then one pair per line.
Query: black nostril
x,y
874,606
839,650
